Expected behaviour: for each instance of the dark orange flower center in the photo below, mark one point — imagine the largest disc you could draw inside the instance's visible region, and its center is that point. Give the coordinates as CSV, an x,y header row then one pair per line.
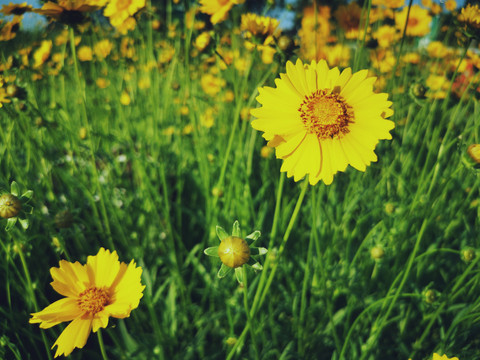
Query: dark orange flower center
x,y
412,22
326,114
93,300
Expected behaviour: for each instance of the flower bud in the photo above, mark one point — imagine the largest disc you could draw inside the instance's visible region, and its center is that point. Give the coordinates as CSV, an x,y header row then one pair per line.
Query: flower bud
x,y
10,206
377,252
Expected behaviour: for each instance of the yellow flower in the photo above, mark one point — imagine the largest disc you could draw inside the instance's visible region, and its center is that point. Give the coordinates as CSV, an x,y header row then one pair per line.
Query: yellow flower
x,y
450,5
320,120
470,17
119,10
202,41
392,4
101,288
125,98
16,9
385,35
443,357
218,9
418,21
436,49
42,53
102,48
258,25
211,84
85,53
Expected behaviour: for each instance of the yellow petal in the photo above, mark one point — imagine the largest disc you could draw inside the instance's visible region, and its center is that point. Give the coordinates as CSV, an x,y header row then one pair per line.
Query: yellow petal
x,y
69,279
74,336
289,146
103,268
60,311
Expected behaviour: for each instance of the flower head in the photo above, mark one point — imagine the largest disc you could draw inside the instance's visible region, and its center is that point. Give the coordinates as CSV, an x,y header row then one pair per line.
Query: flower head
x,y
119,11
418,21
262,26
218,9
443,357
469,17
101,288
320,120
12,205
16,9
234,251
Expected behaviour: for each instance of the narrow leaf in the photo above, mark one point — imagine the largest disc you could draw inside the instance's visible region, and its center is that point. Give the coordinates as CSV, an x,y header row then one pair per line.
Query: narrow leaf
x,y
211,251
221,233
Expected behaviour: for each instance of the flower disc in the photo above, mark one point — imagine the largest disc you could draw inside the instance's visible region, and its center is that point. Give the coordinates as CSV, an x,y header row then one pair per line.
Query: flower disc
x,y
234,251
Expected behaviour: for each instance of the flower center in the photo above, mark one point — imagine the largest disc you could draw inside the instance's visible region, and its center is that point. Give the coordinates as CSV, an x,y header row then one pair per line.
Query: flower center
x,y
412,22
93,300
326,114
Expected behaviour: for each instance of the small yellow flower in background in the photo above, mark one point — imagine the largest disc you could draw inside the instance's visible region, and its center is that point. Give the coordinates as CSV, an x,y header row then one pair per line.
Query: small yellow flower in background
x,y
320,120
436,49
16,9
102,48
211,84
385,35
450,5
42,53
144,83
418,21
218,9
85,53
93,292
256,25
202,41
125,98
443,357
102,83
187,130
392,4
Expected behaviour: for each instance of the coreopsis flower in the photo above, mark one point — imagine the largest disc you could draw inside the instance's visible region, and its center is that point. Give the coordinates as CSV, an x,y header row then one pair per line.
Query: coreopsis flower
x,y
469,17
16,9
392,4
320,120
443,357
218,9
348,17
235,251
260,26
450,5
85,53
101,288
314,32
211,84
42,53
70,12
418,21
9,30
102,48
385,35
118,11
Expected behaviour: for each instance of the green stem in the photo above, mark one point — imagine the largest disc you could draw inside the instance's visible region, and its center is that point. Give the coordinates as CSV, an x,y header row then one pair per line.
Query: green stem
x,y
377,329
282,245
32,293
102,346
103,209
247,312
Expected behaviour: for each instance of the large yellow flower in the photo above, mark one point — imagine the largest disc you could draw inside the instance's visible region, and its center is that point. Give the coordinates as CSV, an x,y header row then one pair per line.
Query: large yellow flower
x,y
95,291
218,9
443,357
320,120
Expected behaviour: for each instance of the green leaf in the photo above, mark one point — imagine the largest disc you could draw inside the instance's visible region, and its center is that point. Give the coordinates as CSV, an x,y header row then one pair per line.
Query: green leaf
x,y
256,265
27,208
253,236
236,229
14,189
239,274
211,251
221,233
258,251
11,223
224,270
27,194
24,223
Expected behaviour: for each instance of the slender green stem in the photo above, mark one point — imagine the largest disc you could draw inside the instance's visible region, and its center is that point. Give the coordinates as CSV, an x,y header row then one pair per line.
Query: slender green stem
x,y
102,346
247,312
281,249
32,294
103,208
377,329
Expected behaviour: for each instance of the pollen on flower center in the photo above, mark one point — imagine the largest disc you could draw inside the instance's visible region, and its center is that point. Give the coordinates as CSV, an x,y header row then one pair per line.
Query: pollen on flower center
x,y
326,114
93,300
